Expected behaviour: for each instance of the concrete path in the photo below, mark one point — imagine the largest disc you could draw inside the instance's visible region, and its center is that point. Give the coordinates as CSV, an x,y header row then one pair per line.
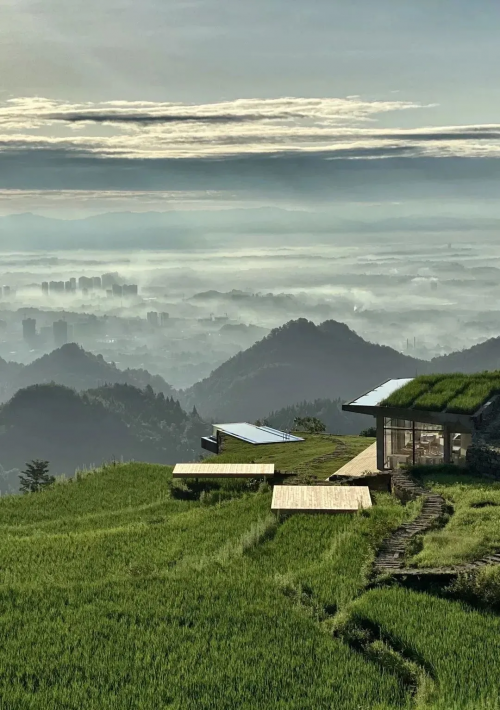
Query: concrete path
x,y
363,462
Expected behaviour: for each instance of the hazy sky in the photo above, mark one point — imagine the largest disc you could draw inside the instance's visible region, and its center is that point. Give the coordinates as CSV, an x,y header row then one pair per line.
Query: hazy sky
x,y
247,99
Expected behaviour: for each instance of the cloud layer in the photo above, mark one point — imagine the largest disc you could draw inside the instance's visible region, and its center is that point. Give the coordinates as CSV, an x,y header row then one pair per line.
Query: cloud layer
x,y
343,128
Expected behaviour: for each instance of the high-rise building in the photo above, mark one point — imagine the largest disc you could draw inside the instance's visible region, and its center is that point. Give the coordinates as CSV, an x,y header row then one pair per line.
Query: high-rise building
x,y
107,280
45,287
73,283
130,290
152,318
6,291
97,282
29,330
164,318
60,331
117,290
85,282
67,286
56,286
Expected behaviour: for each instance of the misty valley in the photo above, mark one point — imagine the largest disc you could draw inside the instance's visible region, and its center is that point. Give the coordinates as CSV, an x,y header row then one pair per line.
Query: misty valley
x,y
293,332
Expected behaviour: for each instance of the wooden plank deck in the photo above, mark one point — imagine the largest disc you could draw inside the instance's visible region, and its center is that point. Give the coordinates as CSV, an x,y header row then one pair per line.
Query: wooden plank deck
x,y
320,499
360,464
223,470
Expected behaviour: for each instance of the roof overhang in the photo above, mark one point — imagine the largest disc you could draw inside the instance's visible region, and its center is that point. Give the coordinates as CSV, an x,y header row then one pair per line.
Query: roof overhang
x,y
369,403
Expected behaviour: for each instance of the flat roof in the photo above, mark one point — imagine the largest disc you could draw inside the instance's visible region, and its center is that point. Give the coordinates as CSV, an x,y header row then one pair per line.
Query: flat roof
x,y
378,394
253,434
220,470
320,499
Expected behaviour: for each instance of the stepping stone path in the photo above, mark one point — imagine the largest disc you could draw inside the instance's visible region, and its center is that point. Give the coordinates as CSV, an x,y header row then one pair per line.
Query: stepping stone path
x,y
391,555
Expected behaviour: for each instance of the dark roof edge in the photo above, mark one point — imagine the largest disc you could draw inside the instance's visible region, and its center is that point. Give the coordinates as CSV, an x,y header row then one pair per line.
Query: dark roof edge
x,y
417,415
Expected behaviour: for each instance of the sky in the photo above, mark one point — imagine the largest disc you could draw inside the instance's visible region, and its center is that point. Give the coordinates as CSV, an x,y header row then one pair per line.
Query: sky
x,y
164,104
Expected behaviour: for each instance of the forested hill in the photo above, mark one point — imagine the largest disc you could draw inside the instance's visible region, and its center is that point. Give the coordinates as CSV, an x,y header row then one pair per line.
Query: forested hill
x,y
71,429
298,362
485,356
329,411
302,361
73,367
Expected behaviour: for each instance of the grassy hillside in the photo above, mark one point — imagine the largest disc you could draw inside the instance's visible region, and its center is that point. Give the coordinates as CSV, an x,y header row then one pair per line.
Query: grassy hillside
x,y
203,602
318,456
473,529
120,591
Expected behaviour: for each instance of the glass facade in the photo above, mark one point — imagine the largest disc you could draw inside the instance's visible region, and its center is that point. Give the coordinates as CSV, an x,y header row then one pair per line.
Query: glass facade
x,y
408,443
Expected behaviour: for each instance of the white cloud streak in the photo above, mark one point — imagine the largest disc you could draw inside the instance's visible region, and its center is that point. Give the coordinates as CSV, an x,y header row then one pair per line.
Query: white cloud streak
x,y
147,130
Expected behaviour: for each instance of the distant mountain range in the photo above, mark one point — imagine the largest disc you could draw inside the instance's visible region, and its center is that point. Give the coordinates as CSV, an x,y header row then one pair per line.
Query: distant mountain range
x,y
72,430
299,362
302,361
179,229
72,366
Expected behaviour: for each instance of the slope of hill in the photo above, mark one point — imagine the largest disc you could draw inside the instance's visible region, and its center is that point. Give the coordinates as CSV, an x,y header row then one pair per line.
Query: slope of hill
x,y
73,367
71,430
329,411
118,594
297,362
485,356
301,362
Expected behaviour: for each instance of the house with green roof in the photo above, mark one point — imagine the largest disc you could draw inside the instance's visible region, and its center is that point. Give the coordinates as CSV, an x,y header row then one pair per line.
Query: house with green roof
x,y
428,419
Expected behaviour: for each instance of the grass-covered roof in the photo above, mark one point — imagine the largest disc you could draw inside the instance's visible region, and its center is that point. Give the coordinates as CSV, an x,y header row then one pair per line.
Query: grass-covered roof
x,y
457,393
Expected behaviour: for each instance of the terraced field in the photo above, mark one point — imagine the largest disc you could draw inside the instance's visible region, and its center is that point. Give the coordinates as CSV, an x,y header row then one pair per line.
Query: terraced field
x,y
122,590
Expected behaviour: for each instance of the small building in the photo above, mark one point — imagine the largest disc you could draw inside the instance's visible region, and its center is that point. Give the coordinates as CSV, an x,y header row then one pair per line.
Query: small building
x,y
249,433
320,499
428,419
152,318
223,470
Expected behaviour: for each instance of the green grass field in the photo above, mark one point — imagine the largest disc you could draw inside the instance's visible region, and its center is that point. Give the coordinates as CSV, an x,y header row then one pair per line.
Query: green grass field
x,y
318,456
117,592
473,530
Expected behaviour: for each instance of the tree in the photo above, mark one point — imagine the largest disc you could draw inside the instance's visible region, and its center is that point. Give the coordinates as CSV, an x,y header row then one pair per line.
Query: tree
x,y
35,477
312,425
370,432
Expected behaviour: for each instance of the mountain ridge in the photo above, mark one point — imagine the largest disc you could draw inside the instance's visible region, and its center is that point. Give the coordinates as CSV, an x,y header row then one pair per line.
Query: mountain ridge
x,y
302,362
74,367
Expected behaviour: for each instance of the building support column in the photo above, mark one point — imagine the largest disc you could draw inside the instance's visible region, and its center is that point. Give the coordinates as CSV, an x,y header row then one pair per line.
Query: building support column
x,y
380,444
447,445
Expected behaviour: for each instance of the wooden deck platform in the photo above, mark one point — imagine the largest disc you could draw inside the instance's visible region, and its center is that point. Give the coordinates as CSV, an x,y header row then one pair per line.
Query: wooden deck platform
x,y
223,470
360,464
320,499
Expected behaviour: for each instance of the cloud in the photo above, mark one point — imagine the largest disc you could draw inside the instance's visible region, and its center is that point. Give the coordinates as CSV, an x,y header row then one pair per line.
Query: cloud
x,y
340,128
253,146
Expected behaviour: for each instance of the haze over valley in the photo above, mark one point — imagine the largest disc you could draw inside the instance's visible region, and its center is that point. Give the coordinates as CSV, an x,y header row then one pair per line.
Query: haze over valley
x,y
423,297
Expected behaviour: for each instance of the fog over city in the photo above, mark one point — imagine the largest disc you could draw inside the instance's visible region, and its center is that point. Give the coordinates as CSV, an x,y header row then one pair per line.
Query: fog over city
x,y
424,296
167,206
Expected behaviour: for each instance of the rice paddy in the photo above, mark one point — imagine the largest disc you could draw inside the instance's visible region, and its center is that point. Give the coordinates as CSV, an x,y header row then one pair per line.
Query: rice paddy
x,y
125,589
